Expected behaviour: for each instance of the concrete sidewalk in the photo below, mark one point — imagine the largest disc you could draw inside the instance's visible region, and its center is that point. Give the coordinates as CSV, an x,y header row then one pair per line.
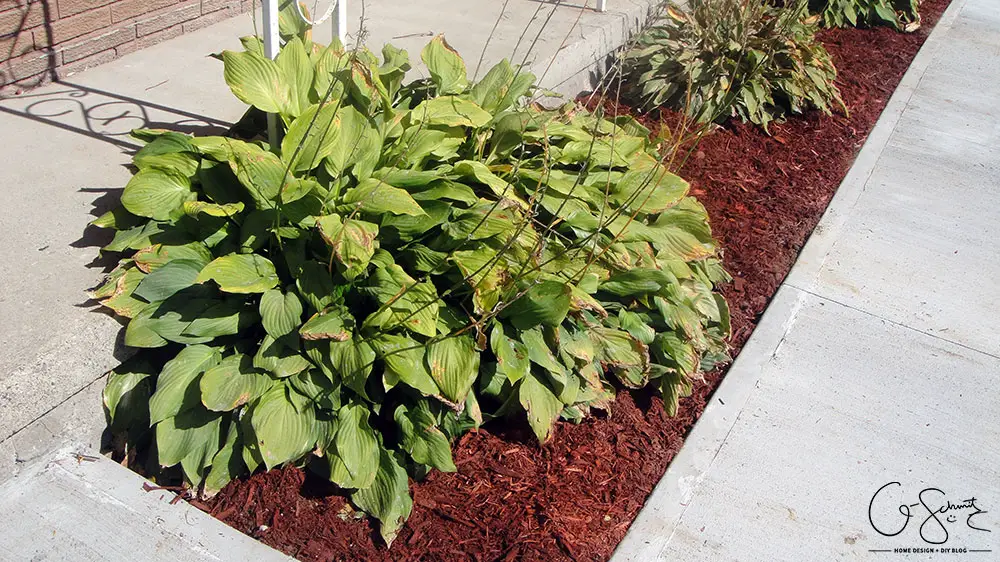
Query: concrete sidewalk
x,y
878,362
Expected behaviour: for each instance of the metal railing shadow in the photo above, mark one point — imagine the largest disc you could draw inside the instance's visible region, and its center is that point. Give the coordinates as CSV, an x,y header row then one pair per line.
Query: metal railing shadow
x,y
104,115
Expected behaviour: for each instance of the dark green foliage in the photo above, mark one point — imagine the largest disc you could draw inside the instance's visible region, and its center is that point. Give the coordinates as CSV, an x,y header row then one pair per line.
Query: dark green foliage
x,y
900,14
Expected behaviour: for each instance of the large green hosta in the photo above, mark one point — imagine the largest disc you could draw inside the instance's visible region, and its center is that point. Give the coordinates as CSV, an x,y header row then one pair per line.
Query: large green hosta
x,y
411,261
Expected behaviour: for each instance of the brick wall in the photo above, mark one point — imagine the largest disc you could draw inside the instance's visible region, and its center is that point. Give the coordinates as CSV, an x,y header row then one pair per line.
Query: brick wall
x,y
42,40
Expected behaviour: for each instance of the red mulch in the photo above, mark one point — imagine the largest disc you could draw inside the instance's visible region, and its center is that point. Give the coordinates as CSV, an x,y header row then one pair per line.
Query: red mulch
x,y
574,498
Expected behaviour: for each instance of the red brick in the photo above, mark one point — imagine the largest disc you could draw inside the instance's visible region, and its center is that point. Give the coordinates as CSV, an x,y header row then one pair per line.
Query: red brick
x,y
25,66
126,9
162,35
96,44
207,20
16,45
209,6
85,63
167,19
21,17
70,7
80,24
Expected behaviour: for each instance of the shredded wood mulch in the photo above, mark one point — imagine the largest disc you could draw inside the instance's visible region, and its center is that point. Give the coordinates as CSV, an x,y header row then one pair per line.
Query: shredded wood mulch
x,y
575,497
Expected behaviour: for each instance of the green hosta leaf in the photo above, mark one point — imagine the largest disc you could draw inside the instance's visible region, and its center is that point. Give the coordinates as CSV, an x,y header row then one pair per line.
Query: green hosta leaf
x,y
315,134
512,355
221,318
232,383
283,432
636,326
157,194
352,360
404,302
280,360
450,111
454,364
140,332
193,208
625,355
375,196
330,324
404,361
240,273
315,284
280,312
167,280
151,258
487,275
192,438
176,388
360,146
294,64
446,67
357,451
123,380
544,303
541,354
119,298
638,281
650,191
183,163
227,463
388,498
353,241
257,81
261,172
542,405
422,439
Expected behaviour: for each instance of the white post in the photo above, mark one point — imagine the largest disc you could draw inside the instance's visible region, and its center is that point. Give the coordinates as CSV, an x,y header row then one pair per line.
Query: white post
x,y
271,46
340,21
602,5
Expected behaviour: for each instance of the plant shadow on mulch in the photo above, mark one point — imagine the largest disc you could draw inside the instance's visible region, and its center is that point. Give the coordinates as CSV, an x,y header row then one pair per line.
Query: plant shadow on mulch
x,y
575,497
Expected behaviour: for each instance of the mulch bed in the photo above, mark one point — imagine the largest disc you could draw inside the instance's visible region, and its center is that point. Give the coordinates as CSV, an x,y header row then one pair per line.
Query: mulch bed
x,y
575,497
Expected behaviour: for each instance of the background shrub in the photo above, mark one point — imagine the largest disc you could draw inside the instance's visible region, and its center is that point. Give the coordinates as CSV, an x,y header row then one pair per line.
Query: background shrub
x,y
411,261
742,58
900,14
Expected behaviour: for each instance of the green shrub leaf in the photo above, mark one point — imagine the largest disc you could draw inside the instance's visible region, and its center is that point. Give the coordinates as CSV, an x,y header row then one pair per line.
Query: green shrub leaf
x,y
542,405
157,194
388,498
453,364
240,273
283,432
446,67
176,387
280,312
231,383
257,81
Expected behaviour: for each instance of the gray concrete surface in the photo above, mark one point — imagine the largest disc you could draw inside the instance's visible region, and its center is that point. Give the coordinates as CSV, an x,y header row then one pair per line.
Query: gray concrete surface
x,y
879,359
83,508
67,145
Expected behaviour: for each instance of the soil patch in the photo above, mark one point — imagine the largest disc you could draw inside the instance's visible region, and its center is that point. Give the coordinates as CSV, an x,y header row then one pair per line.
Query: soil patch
x,y
574,498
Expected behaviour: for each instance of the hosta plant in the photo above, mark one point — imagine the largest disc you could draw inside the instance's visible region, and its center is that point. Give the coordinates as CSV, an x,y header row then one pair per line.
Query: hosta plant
x,y
742,58
409,261
900,14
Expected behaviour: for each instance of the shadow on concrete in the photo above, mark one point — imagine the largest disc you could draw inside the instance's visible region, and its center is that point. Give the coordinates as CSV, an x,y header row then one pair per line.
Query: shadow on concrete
x,y
104,115
27,43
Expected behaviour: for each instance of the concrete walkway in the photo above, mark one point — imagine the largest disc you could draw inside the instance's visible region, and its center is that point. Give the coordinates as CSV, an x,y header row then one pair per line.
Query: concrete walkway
x,y
878,362
65,151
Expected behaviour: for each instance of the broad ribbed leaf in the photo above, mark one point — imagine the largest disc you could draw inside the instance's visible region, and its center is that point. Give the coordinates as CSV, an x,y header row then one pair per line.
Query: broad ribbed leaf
x,y
314,134
140,332
283,432
353,242
281,313
156,256
167,280
157,194
294,64
376,196
388,498
121,381
330,324
176,387
240,273
357,451
191,437
257,81
273,356
194,208
232,383
226,464
454,364
445,65
422,439
542,405
512,355
404,361
451,111
543,303
649,191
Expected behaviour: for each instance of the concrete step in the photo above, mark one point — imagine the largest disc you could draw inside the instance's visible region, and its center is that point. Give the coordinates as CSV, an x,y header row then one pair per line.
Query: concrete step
x,y
77,505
